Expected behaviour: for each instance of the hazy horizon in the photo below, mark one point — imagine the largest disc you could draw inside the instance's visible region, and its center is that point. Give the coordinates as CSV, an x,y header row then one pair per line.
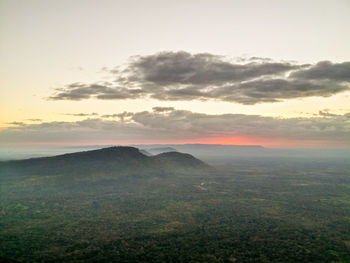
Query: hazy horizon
x,y
205,152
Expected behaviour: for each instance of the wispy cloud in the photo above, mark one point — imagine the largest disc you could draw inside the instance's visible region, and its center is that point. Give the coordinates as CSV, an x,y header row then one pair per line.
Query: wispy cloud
x,y
81,114
17,123
121,116
185,76
34,120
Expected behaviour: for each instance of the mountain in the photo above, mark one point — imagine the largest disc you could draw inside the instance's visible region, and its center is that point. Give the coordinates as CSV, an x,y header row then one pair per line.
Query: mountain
x,y
145,152
159,150
113,161
180,160
212,153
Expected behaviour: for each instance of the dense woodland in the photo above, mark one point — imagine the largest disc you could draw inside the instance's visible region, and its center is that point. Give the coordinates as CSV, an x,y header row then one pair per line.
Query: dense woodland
x,y
119,205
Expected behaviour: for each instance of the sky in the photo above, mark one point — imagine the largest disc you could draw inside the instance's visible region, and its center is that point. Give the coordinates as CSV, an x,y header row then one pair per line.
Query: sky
x,y
266,72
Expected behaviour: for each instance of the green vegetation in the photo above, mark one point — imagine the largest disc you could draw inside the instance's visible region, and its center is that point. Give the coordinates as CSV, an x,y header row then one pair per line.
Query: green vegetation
x,y
173,208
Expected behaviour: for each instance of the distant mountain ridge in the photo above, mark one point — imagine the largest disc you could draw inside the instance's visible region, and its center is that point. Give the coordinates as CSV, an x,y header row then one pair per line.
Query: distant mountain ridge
x,y
209,153
111,160
212,152
198,150
159,150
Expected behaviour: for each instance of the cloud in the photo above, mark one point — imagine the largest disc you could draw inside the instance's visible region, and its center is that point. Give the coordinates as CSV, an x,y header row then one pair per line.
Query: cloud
x,y
182,68
79,91
122,116
226,125
274,90
326,113
170,125
325,70
34,119
163,109
82,114
18,123
185,76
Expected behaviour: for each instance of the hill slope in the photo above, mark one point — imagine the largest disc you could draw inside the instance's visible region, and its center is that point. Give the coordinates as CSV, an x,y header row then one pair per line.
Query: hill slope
x,y
160,150
107,161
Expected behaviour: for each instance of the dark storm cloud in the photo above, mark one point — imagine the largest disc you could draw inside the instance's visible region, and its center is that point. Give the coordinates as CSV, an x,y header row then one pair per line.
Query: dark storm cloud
x,y
185,76
171,125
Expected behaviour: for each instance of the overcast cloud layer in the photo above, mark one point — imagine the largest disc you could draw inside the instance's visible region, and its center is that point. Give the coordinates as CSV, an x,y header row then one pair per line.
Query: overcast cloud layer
x,y
168,124
185,76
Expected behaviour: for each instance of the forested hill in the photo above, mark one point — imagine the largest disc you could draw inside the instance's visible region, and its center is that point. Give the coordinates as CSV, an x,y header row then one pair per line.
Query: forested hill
x,y
112,160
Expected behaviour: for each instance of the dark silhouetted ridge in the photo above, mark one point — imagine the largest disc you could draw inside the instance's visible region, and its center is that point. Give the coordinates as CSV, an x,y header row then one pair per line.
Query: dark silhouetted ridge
x,y
105,154
106,161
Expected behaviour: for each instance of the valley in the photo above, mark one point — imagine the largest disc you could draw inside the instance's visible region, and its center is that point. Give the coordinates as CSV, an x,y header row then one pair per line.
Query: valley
x,y
123,206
